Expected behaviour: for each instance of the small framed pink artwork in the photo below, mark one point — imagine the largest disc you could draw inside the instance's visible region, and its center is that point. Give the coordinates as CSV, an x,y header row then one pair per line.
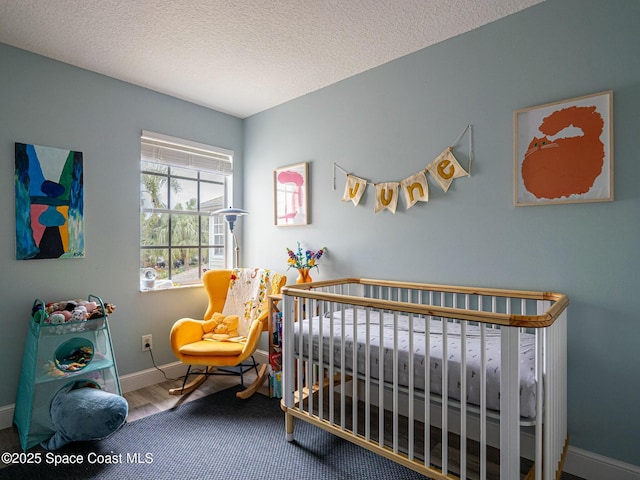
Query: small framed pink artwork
x,y
291,195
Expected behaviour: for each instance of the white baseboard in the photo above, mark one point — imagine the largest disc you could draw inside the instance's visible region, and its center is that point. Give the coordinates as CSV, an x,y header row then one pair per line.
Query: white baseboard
x,y
582,463
152,376
592,466
6,416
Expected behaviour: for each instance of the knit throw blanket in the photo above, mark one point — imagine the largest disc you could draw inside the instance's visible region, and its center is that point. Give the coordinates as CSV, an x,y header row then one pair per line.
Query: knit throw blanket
x,y
248,289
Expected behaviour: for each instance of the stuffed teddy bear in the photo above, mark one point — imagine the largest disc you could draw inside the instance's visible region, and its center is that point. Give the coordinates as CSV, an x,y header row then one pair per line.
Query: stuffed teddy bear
x,y
220,327
97,312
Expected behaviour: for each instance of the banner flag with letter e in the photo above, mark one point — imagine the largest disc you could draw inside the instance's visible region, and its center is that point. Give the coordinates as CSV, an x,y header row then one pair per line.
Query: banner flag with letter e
x,y
445,168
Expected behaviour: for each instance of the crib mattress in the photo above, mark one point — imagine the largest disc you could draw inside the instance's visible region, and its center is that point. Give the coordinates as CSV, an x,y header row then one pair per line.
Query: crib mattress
x,y
358,323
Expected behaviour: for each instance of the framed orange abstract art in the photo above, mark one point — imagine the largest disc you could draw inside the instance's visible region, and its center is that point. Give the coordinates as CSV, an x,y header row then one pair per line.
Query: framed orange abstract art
x,y
564,151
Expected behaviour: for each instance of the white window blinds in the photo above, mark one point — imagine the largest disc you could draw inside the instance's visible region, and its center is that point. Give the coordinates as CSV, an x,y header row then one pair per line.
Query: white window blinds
x,y
159,148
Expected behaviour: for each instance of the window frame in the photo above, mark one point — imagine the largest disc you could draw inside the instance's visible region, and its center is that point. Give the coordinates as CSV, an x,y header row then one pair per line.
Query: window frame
x,y
175,158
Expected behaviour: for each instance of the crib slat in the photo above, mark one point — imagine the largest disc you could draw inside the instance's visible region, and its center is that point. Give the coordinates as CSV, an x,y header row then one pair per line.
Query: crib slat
x,y
540,334
300,363
367,377
321,310
381,379
396,404
483,402
427,384
463,394
355,369
509,403
412,397
306,307
546,450
510,457
343,375
332,362
483,394
444,440
288,357
309,377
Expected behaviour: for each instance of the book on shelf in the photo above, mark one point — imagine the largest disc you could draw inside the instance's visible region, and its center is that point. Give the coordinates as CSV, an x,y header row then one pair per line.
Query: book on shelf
x,y
275,384
275,360
276,321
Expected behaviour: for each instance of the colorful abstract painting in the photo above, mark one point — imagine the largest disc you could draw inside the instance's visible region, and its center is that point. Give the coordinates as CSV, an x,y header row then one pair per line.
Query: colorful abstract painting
x,y
49,202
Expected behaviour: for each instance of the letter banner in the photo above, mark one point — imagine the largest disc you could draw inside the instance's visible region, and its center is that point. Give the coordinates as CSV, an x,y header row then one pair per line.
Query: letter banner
x,y
354,189
415,189
445,168
386,196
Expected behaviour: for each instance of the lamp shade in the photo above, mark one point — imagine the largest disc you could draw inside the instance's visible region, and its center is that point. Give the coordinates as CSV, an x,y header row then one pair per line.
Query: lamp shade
x,y
230,214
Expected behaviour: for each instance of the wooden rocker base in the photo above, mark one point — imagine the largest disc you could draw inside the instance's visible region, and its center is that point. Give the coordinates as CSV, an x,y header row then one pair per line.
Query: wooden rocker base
x,y
191,386
199,380
255,385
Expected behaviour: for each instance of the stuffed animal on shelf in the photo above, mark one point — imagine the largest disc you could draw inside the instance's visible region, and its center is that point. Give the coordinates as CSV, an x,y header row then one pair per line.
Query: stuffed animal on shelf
x,y
97,312
79,314
81,411
56,318
90,310
220,327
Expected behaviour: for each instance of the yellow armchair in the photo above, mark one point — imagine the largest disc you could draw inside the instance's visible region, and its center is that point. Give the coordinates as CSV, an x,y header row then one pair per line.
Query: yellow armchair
x,y
188,335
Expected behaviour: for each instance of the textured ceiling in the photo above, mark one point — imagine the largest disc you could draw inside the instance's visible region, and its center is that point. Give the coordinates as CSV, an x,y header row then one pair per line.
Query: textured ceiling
x,y
238,56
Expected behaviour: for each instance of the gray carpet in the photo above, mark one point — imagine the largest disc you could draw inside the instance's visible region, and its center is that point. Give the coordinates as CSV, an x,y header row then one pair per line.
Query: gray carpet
x,y
215,437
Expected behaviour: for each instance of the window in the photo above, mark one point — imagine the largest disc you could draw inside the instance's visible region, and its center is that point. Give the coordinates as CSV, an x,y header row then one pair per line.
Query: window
x,y
181,184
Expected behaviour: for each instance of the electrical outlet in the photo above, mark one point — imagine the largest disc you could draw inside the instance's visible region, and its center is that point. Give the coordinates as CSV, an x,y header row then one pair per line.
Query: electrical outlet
x,y
147,342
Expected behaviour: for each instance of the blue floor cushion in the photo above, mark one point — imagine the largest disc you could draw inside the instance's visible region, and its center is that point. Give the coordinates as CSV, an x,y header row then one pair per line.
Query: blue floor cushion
x,y
82,411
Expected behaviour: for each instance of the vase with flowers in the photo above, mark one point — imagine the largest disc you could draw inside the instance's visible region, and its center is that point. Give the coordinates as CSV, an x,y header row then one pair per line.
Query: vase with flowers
x,y
304,261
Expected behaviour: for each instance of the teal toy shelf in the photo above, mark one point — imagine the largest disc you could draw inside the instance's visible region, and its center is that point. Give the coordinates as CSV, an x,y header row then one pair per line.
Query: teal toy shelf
x,y
54,356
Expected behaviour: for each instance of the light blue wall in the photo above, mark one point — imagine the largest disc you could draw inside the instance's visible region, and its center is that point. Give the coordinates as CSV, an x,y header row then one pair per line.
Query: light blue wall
x,y
384,125
389,122
49,103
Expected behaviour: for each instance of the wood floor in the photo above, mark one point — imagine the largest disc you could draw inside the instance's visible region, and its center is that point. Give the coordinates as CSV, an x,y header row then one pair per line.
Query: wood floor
x,y
155,399
142,403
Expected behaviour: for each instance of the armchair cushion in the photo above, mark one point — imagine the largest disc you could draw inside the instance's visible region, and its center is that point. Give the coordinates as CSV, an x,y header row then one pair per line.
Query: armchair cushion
x,y
212,348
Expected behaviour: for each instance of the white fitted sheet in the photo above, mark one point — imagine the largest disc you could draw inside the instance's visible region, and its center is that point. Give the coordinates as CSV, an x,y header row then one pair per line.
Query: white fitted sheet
x,y
435,344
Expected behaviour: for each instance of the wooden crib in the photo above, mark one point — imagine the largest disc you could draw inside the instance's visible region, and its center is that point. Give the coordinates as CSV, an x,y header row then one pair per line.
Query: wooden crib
x,y
358,353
